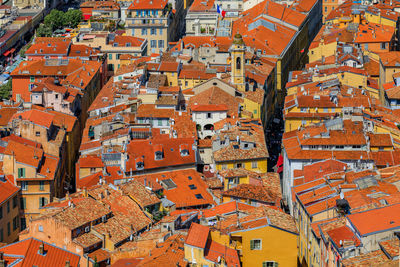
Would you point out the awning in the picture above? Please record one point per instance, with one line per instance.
(86, 16)
(7, 53)
(89, 36)
(12, 50)
(280, 161)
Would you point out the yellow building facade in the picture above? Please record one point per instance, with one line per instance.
(255, 165)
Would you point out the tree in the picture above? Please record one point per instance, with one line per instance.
(5, 90)
(44, 31)
(55, 20)
(72, 18)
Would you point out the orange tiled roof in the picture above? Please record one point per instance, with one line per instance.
(190, 190)
(143, 4)
(26, 251)
(7, 188)
(197, 235)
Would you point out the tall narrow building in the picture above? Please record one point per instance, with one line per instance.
(237, 62)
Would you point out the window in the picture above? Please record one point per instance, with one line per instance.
(153, 43)
(201, 151)
(254, 164)
(199, 196)
(326, 9)
(270, 264)
(366, 46)
(209, 115)
(24, 186)
(159, 122)
(118, 56)
(32, 79)
(238, 63)
(1, 235)
(1, 212)
(110, 56)
(15, 223)
(37, 133)
(153, 31)
(8, 206)
(42, 202)
(40, 228)
(238, 165)
(23, 224)
(255, 244)
(383, 45)
(224, 167)
(186, 83)
(144, 31)
(128, 44)
(23, 203)
(8, 229)
(92, 170)
(21, 172)
(15, 202)
(160, 43)
(161, 31)
(192, 187)
(41, 185)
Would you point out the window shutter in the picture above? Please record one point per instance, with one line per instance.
(252, 244)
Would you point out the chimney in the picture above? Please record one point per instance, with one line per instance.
(67, 264)
(41, 248)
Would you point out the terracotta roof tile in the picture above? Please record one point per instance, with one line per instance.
(27, 251)
(197, 235)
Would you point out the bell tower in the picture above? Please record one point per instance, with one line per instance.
(237, 62)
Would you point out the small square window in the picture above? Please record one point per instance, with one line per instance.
(199, 196)
(255, 244)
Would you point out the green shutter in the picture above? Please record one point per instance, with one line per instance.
(251, 244)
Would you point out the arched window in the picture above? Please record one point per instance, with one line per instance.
(238, 63)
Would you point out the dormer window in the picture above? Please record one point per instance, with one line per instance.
(184, 149)
(158, 155)
(115, 44)
(139, 163)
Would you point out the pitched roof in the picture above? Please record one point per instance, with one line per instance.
(140, 193)
(197, 235)
(185, 188)
(26, 253)
(215, 251)
(7, 189)
(38, 117)
(252, 192)
(385, 219)
(143, 4)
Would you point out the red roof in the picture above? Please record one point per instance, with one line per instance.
(91, 161)
(28, 252)
(211, 107)
(146, 4)
(216, 251)
(384, 219)
(226, 208)
(37, 117)
(7, 189)
(197, 236)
